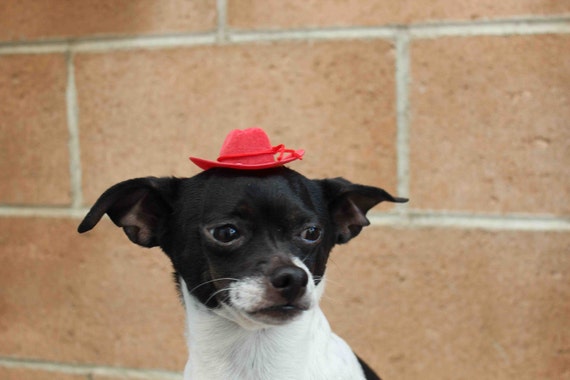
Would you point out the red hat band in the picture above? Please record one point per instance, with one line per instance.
(262, 157)
(250, 149)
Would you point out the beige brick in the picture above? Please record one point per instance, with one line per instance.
(33, 374)
(489, 124)
(270, 14)
(29, 19)
(33, 130)
(454, 304)
(145, 112)
(94, 298)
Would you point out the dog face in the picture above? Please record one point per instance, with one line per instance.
(250, 245)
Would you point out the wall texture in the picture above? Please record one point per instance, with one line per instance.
(464, 106)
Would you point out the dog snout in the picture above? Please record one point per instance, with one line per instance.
(290, 282)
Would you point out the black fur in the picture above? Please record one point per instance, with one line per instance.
(369, 374)
(268, 210)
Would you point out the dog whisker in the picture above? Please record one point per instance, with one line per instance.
(212, 281)
(320, 278)
(216, 293)
(329, 298)
(328, 280)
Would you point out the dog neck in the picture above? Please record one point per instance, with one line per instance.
(306, 348)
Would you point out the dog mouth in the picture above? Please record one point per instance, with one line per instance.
(265, 301)
(280, 312)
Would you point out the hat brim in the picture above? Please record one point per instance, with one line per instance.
(207, 164)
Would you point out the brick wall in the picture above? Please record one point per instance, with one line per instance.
(464, 106)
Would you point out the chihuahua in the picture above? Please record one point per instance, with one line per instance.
(249, 249)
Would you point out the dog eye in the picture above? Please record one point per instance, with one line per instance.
(225, 234)
(311, 234)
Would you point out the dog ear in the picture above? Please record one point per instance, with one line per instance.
(348, 204)
(138, 206)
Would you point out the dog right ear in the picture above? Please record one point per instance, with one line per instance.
(138, 205)
(348, 204)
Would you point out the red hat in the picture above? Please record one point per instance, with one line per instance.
(249, 149)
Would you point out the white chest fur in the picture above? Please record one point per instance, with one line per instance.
(305, 349)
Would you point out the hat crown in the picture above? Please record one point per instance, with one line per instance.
(250, 146)
(250, 149)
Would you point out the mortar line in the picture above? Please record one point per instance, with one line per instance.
(383, 32)
(43, 212)
(498, 27)
(511, 222)
(89, 369)
(222, 9)
(73, 128)
(34, 48)
(514, 26)
(402, 115)
(509, 27)
(144, 42)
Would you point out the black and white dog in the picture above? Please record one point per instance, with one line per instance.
(249, 249)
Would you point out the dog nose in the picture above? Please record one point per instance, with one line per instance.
(290, 281)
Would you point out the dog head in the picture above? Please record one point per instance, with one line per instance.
(250, 245)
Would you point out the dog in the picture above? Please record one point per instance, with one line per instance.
(249, 249)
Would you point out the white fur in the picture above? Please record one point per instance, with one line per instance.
(227, 344)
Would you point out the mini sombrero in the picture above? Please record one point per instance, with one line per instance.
(250, 149)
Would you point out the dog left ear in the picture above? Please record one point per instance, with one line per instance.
(138, 205)
(349, 203)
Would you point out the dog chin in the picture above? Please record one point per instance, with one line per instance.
(279, 314)
(250, 306)
(261, 318)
